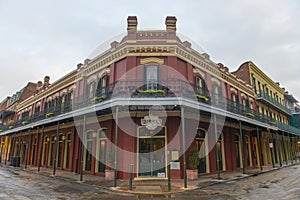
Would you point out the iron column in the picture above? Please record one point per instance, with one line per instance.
(217, 152)
(183, 147)
(259, 148)
(284, 148)
(116, 147)
(279, 149)
(40, 149)
(82, 148)
(242, 146)
(56, 149)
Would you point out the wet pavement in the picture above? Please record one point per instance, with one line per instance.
(20, 184)
(284, 183)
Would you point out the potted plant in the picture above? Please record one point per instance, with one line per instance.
(24, 122)
(202, 97)
(250, 114)
(110, 161)
(192, 171)
(97, 98)
(49, 114)
(152, 92)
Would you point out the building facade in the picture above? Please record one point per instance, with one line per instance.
(144, 103)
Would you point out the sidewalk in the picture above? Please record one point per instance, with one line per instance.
(149, 187)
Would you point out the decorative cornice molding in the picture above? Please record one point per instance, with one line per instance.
(152, 60)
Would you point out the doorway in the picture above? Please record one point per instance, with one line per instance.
(151, 153)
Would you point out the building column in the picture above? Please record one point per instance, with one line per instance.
(272, 150)
(284, 148)
(82, 148)
(40, 149)
(279, 149)
(2, 142)
(8, 144)
(290, 148)
(116, 147)
(56, 150)
(216, 146)
(242, 146)
(183, 147)
(259, 147)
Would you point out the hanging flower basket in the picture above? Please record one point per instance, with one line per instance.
(49, 114)
(250, 114)
(152, 91)
(205, 98)
(24, 122)
(97, 98)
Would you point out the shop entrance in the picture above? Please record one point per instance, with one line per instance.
(151, 153)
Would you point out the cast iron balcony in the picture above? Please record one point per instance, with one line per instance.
(271, 101)
(133, 89)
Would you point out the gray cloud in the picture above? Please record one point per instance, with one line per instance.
(49, 38)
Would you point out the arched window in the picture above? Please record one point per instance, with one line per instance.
(234, 101)
(237, 151)
(88, 151)
(202, 150)
(151, 77)
(102, 86)
(200, 86)
(248, 150)
(220, 149)
(101, 150)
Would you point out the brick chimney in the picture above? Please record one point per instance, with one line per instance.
(46, 81)
(171, 23)
(132, 23)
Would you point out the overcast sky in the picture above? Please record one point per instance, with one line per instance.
(39, 38)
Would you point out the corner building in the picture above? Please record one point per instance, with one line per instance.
(145, 102)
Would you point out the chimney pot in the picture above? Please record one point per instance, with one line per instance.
(171, 23)
(132, 23)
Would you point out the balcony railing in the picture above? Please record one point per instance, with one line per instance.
(273, 101)
(139, 89)
(288, 128)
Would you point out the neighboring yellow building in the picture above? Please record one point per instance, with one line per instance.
(272, 108)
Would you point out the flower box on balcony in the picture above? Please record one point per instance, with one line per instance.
(250, 114)
(1, 130)
(97, 98)
(273, 123)
(205, 98)
(49, 114)
(11, 127)
(24, 122)
(152, 91)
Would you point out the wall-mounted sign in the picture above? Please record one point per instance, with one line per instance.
(271, 145)
(174, 155)
(151, 122)
(175, 165)
(161, 175)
